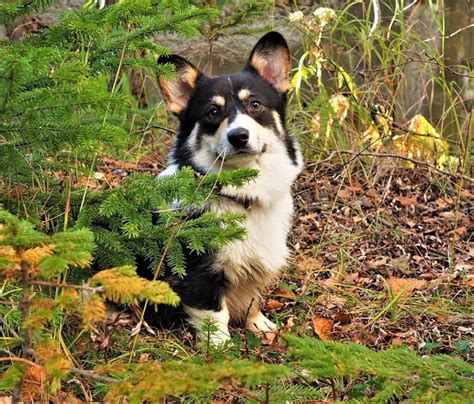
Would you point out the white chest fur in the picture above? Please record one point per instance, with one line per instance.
(250, 264)
(263, 252)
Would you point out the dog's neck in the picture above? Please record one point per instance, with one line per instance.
(246, 202)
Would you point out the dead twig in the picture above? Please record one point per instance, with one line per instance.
(400, 157)
(22, 360)
(93, 375)
(9, 303)
(148, 127)
(82, 372)
(86, 288)
(9, 329)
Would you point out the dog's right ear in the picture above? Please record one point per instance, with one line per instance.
(178, 91)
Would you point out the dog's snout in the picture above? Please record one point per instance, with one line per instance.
(238, 137)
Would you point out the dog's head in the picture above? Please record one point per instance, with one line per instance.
(235, 120)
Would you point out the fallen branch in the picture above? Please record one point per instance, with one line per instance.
(87, 373)
(93, 375)
(22, 360)
(411, 160)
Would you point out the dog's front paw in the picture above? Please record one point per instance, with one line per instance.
(260, 323)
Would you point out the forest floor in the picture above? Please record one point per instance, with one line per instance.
(383, 259)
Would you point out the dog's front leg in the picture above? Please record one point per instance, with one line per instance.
(219, 318)
(256, 321)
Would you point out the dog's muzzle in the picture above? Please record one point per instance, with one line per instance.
(236, 144)
(238, 138)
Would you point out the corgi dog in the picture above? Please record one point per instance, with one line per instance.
(230, 122)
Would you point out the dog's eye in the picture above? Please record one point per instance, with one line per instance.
(255, 105)
(213, 112)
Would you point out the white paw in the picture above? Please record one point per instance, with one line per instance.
(260, 323)
(211, 325)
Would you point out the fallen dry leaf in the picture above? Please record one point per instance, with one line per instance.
(448, 214)
(323, 327)
(415, 239)
(144, 357)
(466, 194)
(376, 263)
(284, 293)
(272, 304)
(406, 201)
(405, 286)
(470, 282)
(290, 323)
(461, 231)
(305, 264)
(408, 221)
(351, 278)
(63, 397)
(308, 217)
(396, 341)
(269, 337)
(444, 202)
(344, 194)
(331, 282)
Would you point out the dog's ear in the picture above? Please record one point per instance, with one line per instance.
(270, 58)
(178, 91)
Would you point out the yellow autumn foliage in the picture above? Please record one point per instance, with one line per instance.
(340, 105)
(372, 137)
(422, 142)
(123, 285)
(53, 359)
(93, 310)
(9, 262)
(33, 256)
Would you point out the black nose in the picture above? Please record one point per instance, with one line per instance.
(238, 137)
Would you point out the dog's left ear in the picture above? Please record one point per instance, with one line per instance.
(270, 58)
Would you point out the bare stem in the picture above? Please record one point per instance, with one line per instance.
(66, 285)
(27, 354)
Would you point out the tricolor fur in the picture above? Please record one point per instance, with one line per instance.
(229, 122)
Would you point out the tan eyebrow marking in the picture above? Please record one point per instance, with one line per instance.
(244, 94)
(218, 100)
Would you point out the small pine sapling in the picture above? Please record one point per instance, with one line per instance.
(39, 263)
